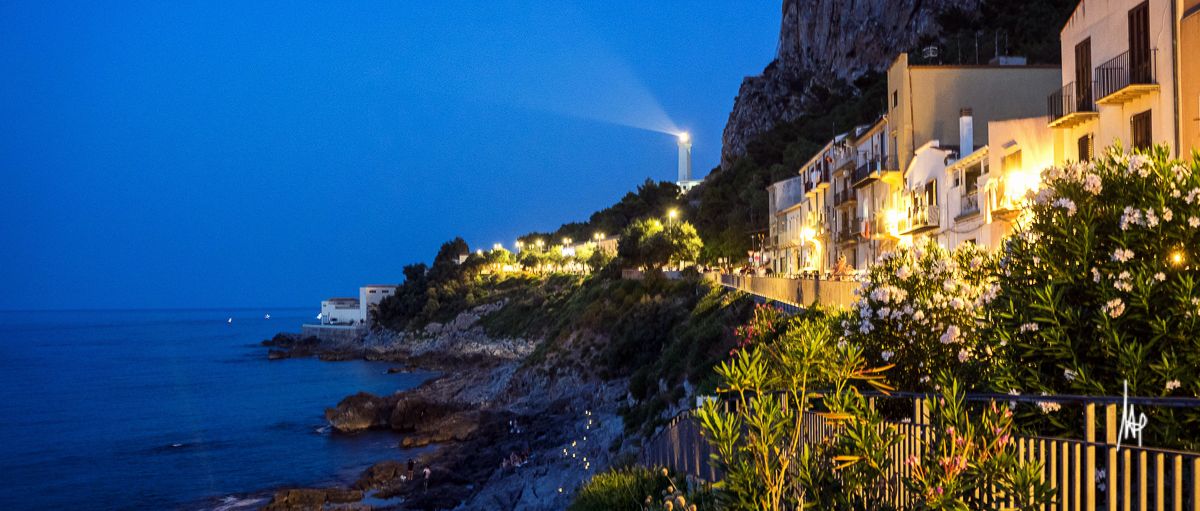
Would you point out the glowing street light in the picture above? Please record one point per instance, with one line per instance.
(539, 243)
(672, 214)
(1177, 257)
(497, 246)
(566, 241)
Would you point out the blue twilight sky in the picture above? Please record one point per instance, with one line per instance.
(215, 154)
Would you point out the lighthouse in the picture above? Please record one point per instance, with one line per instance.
(685, 181)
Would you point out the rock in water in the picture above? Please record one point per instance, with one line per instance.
(360, 411)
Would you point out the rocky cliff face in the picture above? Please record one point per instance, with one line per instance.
(823, 42)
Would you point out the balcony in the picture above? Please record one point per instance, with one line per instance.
(1071, 106)
(873, 169)
(845, 198)
(1125, 78)
(818, 179)
(920, 219)
(968, 205)
(848, 234)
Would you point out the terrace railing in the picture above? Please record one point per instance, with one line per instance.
(968, 204)
(1071, 99)
(1125, 70)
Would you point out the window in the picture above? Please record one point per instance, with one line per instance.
(895, 99)
(1085, 148)
(1083, 76)
(1140, 64)
(372, 291)
(1140, 130)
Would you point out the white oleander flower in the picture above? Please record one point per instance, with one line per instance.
(903, 272)
(1069, 374)
(951, 335)
(1173, 385)
(1129, 217)
(1160, 276)
(1167, 214)
(1029, 327)
(1067, 204)
(963, 356)
(1151, 218)
(1122, 255)
(886, 355)
(1114, 308)
(1091, 184)
(1194, 222)
(1139, 164)
(1049, 407)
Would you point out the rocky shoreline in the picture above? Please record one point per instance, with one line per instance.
(491, 402)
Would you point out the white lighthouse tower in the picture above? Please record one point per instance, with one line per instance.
(685, 182)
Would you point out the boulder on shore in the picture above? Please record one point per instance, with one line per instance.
(360, 411)
(311, 499)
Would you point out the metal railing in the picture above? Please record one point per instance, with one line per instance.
(1124, 70)
(968, 203)
(844, 197)
(1072, 98)
(920, 217)
(865, 172)
(851, 232)
(792, 291)
(1087, 473)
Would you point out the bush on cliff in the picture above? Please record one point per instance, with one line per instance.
(638, 489)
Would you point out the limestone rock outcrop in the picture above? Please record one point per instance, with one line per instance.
(825, 42)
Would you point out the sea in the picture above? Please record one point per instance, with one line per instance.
(173, 409)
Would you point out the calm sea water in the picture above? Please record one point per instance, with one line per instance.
(170, 409)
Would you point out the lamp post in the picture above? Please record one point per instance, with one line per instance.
(672, 214)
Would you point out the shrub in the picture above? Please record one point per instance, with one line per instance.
(918, 309)
(1098, 286)
(638, 489)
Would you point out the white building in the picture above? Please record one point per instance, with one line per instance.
(341, 311)
(369, 297)
(1127, 76)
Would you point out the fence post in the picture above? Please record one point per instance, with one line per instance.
(1110, 438)
(1089, 468)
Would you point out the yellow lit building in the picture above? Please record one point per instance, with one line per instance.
(1130, 74)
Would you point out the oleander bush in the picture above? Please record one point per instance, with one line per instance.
(1099, 285)
(972, 451)
(918, 309)
(758, 434)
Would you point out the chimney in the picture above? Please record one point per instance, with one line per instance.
(966, 132)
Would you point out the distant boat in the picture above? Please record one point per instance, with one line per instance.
(230, 321)
(268, 316)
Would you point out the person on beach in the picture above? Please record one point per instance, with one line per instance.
(427, 472)
(412, 467)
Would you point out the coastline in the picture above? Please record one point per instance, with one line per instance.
(490, 402)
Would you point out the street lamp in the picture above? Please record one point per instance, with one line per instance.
(672, 214)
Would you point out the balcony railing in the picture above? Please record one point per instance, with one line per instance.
(1123, 74)
(871, 170)
(1069, 104)
(968, 204)
(850, 232)
(920, 218)
(844, 197)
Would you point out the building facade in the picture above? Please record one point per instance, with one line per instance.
(1130, 75)
(341, 311)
